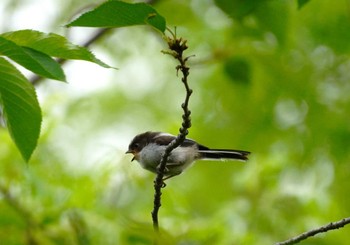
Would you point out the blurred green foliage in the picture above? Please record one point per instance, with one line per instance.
(293, 115)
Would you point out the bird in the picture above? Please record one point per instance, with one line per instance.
(148, 148)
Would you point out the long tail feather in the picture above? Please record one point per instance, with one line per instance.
(224, 154)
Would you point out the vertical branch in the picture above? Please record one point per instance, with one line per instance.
(177, 46)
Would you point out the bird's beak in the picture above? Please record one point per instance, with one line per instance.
(132, 152)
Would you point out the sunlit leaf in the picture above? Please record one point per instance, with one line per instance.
(20, 107)
(52, 44)
(35, 61)
(120, 14)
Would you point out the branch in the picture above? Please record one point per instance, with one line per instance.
(325, 228)
(31, 223)
(176, 46)
(79, 227)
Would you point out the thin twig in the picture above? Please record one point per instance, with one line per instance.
(176, 46)
(31, 223)
(79, 227)
(325, 228)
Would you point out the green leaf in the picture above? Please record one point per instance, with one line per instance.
(53, 45)
(301, 3)
(238, 70)
(237, 9)
(35, 61)
(270, 18)
(119, 14)
(20, 107)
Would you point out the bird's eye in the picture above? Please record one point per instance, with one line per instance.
(136, 145)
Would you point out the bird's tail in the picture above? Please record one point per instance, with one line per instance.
(224, 154)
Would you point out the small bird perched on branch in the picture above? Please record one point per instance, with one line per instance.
(149, 147)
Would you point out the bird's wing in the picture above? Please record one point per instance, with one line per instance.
(165, 139)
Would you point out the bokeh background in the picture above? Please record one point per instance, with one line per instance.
(269, 76)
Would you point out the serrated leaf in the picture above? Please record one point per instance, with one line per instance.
(53, 45)
(301, 3)
(20, 107)
(35, 61)
(120, 14)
